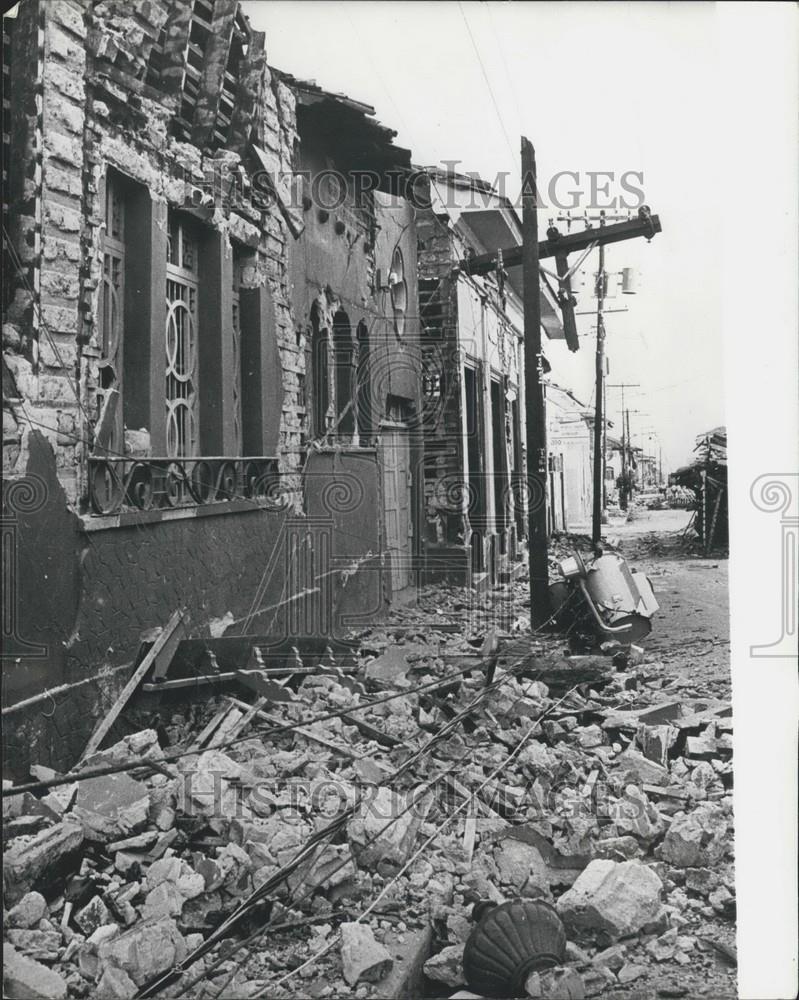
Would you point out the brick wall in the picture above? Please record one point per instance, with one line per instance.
(88, 596)
(94, 112)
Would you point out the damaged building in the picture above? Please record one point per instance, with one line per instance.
(211, 383)
(473, 357)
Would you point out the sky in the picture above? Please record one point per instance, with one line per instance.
(595, 87)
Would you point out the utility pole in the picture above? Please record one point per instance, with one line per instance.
(630, 446)
(624, 439)
(634, 483)
(605, 437)
(599, 416)
(534, 395)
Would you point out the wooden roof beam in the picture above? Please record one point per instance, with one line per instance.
(176, 41)
(213, 74)
(249, 93)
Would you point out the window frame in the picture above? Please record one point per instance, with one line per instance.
(182, 380)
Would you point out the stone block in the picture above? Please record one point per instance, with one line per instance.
(69, 16)
(363, 958)
(146, 950)
(405, 980)
(63, 81)
(698, 839)
(617, 899)
(59, 319)
(520, 864)
(25, 863)
(116, 984)
(555, 984)
(385, 827)
(63, 217)
(28, 912)
(40, 945)
(93, 915)
(62, 253)
(25, 978)
(111, 806)
(64, 45)
(58, 146)
(637, 768)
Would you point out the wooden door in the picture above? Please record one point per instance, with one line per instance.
(396, 468)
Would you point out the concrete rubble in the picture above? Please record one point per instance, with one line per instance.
(607, 813)
(363, 957)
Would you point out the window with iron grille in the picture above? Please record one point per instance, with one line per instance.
(112, 301)
(182, 293)
(199, 420)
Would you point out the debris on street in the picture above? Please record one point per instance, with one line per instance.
(582, 782)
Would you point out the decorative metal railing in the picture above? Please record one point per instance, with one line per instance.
(125, 483)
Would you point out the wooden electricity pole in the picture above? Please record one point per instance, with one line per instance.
(624, 439)
(534, 396)
(599, 415)
(529, 254)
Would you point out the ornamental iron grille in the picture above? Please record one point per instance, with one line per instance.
(182, 291)
(112, 298)
(119, 484)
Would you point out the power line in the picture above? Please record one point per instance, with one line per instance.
(433, 836)
(488, 82)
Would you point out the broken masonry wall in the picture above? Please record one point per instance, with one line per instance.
(94, 112)
(478, 326)
(442, 391)
(91, 587)
(340, 268)
(88, 598)
(394, 373)
(47, 113)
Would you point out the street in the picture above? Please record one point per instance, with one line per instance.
(691, 632)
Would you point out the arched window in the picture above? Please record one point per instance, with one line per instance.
(399, 291)
(320, 373)
(363, 394)
(344, 359)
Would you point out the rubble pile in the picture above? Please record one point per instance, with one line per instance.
(602, 797)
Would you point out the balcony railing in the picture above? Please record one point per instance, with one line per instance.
(126, 483)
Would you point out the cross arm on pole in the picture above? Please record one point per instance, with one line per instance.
(645, 225)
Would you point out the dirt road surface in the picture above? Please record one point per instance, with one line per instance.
(691, 632)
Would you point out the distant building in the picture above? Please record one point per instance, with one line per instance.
(570, 448)
(473, 384)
